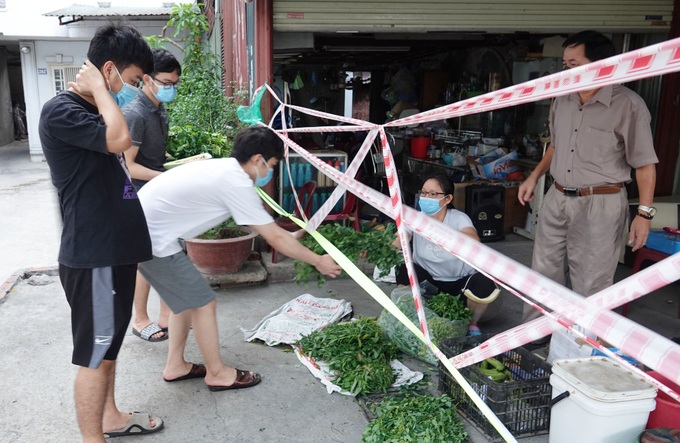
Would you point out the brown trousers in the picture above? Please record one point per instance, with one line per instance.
(577, 241)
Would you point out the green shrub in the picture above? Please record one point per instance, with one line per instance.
(202, 117)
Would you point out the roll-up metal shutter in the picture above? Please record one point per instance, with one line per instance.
(502, 16)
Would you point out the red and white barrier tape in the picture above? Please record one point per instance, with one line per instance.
(513, 338)
(648, 347)
(397, 207)
(662, 58)
(650, 279)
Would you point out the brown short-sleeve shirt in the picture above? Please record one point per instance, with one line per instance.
(600, 141)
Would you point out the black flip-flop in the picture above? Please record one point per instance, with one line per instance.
(244, 379)
(137, 425)
(196, 371)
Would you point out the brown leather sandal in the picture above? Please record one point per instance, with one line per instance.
(244, 379)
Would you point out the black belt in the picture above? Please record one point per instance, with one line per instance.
(589, 190)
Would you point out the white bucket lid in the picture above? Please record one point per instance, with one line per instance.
(603, 379)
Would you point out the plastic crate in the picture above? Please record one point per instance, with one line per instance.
(663, 241)
(522, 405)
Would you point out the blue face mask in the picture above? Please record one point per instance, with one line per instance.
(430, 206)
(126, 94)
(261, 181)
(166, 93)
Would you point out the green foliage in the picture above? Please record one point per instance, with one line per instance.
(375, 244)
(226, 229)
(415, 418)
(440, 328)
(186, 141)
(202, 117)
(449, 306)
(357, 352)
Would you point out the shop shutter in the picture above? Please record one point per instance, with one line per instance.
(497, 16)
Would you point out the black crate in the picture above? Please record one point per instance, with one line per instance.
(522, 405)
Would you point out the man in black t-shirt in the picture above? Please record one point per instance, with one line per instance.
(83, 134)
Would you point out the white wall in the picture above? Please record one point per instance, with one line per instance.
(22, 21)
(24, 18)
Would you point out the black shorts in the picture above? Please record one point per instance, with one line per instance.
(101, 307)
(479, 284)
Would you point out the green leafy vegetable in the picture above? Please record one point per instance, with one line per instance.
(449, 306)
(440, 328)
(415, 418)
(357, 352)
(375, 244)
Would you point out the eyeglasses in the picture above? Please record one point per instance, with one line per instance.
(162, 83)
(430, 194)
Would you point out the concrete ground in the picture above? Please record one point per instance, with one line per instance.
(36, 376)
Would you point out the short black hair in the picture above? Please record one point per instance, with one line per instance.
(164, 61)
(123, 45)
(596, 45)
(257, 140)
(444, 182)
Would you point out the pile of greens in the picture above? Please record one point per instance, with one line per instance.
(440, 328)
(374, 245)
(357, 352)
(449, 306)
(415, 418)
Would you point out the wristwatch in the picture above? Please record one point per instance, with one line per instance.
(647, 212)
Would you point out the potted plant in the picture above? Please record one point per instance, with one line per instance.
(221, 250)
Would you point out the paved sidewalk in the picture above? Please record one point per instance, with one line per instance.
(36, 376)
(30, 223)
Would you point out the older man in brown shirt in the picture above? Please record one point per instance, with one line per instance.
(598, 136)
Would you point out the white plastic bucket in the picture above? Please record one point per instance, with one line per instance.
(601, 402)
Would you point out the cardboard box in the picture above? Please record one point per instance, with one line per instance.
(495, 165)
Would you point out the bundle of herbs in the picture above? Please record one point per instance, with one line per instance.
(357, 352)
(415, 418)
(374, 245)
(450, 306)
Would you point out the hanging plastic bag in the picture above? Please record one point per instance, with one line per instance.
(252, 114)
(298, 83)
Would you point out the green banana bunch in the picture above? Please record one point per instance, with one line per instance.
(494, 370)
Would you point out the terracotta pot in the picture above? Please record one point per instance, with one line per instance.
(215, 257)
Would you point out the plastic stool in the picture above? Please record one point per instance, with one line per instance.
(642, 255)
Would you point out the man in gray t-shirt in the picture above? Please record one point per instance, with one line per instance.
(148, 125)
(597, 137)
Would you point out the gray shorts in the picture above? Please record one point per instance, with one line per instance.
(178, 282)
